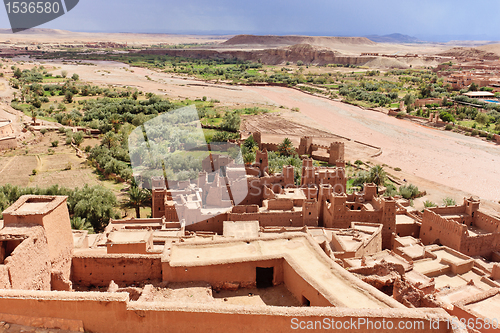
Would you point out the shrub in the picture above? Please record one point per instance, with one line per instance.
(409, 191)
(429, 204)
(69, 140)
(69, 166)
(400, 115)
(391, 190)
(34, 172)
(449, 202)
(447, 117)
(397, 169)
(62, 130)
(55, 143)
(43, 131)
(474, 132)
(449, 127)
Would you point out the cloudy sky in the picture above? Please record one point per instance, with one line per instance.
(427, 19)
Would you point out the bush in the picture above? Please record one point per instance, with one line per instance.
(409, 191)
(62, 130)
(429, 204)
(401, 115)
(391, 190)
(449, 202)
(449, 127)
(69, 140)
(397, 169)
(474, 132)
(43, 131)
(34, 172)
(447, 117)
(55, 143)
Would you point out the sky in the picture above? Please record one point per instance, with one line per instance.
(430, 20)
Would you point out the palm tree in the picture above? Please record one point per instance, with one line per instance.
(137, 198)
(286, 148)
(116, 121)
(377, 175)
(77, 223)
(109, 139)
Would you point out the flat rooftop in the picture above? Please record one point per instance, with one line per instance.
(129, 237)
(488, 307)
(450, 256)
(337, 284)
(241, 229)
(404, 219)
(34, 205)
(479, 94)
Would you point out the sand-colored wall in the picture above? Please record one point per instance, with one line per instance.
(132, 248)
(480, 245)
(486, 222)
(57, 227)
(446, 232)
(301, 288)
(405, 229)
(277, 218)
(123, 269)
(8, 143)
(214, 224)
(243, 273)
(29, 266)
(111, 313)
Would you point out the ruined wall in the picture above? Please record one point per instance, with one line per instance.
(28, 267)
(436, 229)
(123, 269)
(242, 273)
(111, 313)
(57, 227)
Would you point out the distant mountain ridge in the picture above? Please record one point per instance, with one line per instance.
(294, 39)
(394, 38)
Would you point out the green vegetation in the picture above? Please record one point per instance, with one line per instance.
(429, 204)
(137, 198)
(94, 204)
(409, 191)
(449, 202)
